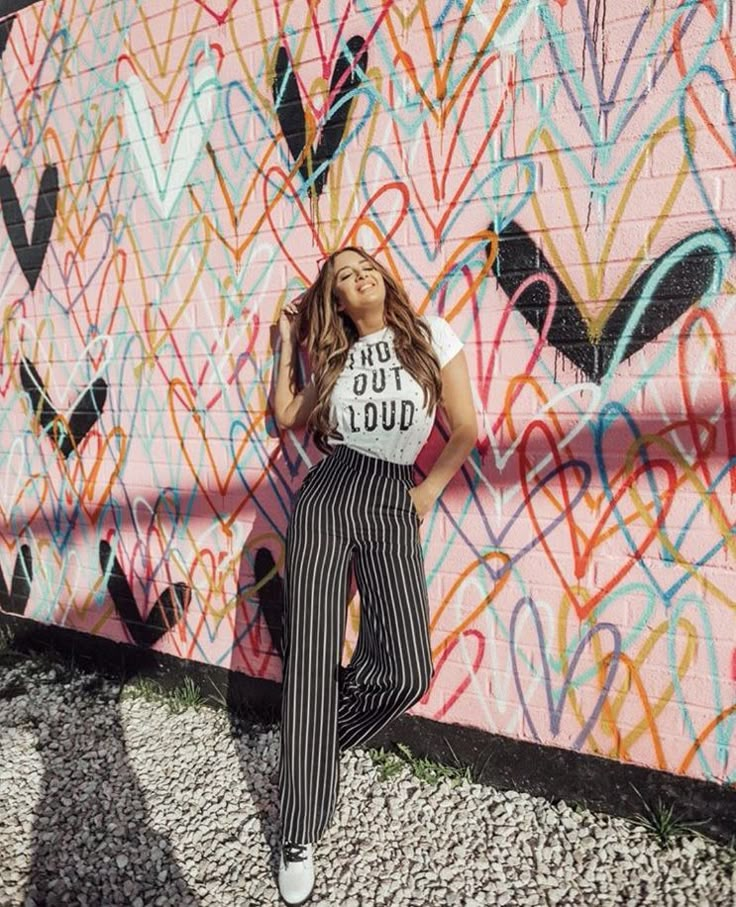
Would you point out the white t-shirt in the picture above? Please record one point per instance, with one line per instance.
(377, 405)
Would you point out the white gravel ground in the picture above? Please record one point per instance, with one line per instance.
(106, 802)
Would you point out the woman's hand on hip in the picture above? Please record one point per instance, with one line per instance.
(423, 499)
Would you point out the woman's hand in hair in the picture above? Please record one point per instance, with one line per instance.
(291, 407)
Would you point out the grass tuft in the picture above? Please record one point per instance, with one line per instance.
(390, 764)
(187, 695)
(9, 655)
(387, 763)
(142, 688)
(663, 822)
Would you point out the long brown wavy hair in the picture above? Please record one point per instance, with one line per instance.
(327, 335)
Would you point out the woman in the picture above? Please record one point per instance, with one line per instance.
(378, 373)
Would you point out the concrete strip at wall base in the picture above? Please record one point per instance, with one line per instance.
(600, 784)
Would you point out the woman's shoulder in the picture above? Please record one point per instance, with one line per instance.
(438, 325)
(444, 340)
(432, 320)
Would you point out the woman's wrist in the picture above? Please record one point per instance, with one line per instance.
(458, 446)
(430, 488)
(287, 361)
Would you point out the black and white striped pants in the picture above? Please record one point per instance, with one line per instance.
(352, 510)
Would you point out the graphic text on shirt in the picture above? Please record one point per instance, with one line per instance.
(384, 415)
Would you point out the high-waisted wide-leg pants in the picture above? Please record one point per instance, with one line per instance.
(352, 510)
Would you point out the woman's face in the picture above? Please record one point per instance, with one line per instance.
(359, 288)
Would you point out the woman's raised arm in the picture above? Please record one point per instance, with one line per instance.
(291, 407)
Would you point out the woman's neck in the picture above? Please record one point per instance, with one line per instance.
(370, 325)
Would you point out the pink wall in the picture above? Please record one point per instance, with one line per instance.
(159, 206)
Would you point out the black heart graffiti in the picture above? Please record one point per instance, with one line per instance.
(14, 6)
(270, 596)
(15, 599)
(167, 612)
(66, 431)
(346, 76)
(31, 254)
(679, 287)
(5, 27)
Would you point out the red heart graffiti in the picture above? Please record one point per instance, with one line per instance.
(219, 14)
(583, 545)
(450, 695)
(699, 328)
(450, 178)
(397, 209)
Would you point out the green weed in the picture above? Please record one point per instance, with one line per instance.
(142, 688)
(390, 764)
(430, 771)
(187, 695)
(663, 822)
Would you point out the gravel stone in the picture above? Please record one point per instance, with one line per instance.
(118, 801)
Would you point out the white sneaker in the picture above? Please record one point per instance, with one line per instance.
(296, 873)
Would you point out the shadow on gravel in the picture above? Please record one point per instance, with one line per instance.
(91, 841)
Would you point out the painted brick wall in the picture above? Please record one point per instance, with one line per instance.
(555, 177)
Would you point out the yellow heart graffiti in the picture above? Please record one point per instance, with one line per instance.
(187, 259)
(498, 584)
(714, 508)
(596, 266)
(442, 104)
(169, 45)
(185, 413)
(612, 706)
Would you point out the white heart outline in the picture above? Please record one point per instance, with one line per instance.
(192, 129)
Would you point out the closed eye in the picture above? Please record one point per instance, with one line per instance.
(346, 272)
